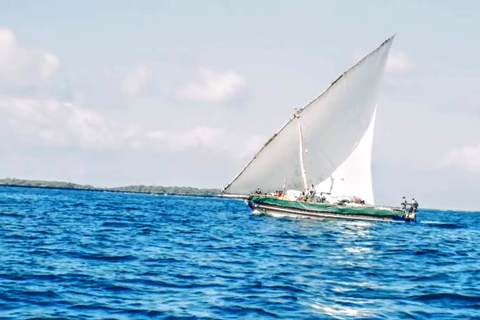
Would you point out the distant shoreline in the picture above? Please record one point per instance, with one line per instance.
(142, 189)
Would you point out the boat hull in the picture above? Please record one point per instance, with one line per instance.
(279, 211)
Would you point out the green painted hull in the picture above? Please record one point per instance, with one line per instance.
(328, 208)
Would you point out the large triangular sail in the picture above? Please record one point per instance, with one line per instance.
(332, 126)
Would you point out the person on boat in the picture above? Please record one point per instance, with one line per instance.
(411, 215)
(305, 197)
(301, 197)
(258, 191)
(404, 204)
(324, 198)
(321, 198)
(411, 208)
(414, 205)
(311, 193)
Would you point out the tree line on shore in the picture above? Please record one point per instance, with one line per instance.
(133, 189)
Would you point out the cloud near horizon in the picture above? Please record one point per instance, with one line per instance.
(45, 120)
(468, 158)
(53, 123)
(214, 87)
(462, 104)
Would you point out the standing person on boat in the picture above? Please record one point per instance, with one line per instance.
(411, 208)
(414, 205)
(258, 191)
(404, 204)
(312, 191)
(412, 215)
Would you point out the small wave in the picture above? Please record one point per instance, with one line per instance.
(446, 296)
(186, 277)
(143, 312)
(427, 252)
(159, 283)
(180, 284)
(103, 257)
(248, 312)
(14, 215)
(161, 261)
(94, 306)
(43, 294)
(429, 277)
(115, 224)
(37, 277)
(443, 225)
(16, 236)
(118, 288)
(79, 204)
(106, 206)
(280, 288)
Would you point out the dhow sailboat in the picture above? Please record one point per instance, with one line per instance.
(319, 163)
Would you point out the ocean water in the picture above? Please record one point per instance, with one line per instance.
(94, 255)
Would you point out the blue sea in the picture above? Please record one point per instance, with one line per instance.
(96, 255)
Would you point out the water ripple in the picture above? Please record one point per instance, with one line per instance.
(83, 255)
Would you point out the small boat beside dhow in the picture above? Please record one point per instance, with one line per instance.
(326, 144)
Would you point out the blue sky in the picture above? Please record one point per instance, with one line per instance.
(184, 92)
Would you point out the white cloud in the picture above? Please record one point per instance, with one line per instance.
(39, 119)
(50, 65)
(204, 137)
(399, 62)
(21, 66)
(239, 146)
(213, 87)
(53, 123)
(463, 103)
(138, 81)
(468, 158)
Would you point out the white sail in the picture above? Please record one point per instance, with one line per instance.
(332, 125)
(354, 176)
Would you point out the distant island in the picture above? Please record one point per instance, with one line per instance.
(12, 182)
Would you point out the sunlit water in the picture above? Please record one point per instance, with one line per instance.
(93, 255)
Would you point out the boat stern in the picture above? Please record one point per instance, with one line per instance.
(252, 205)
